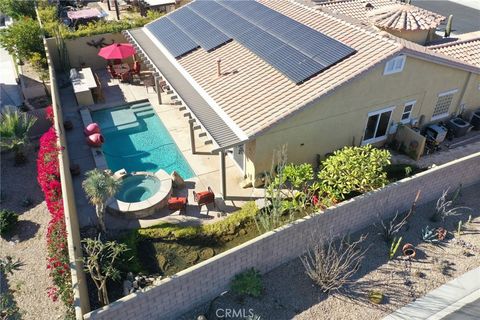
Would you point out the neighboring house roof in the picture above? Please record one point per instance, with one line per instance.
(466, 48)
(254, 96)
(404, 17)
(357, 9)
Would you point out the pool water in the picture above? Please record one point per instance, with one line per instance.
(138, 188)
(137, 140)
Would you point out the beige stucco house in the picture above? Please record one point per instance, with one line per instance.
(248, 108)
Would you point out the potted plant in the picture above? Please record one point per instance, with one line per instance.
(409, 251)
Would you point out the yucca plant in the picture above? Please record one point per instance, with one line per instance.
(99, 186)
(14, 127)
(430, 235)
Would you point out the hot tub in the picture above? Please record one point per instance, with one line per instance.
(141, 194)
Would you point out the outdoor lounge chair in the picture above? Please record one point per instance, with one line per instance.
(178, 203)
(204, 198)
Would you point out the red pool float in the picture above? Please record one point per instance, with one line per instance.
(91, 129)
(95, 140)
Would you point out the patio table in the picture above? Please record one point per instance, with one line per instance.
(121, 68)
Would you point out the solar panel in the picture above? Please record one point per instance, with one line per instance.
(175, 40)
(314, 44)
(297, 51)
(197, 28)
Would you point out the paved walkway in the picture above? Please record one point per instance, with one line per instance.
(10, 94)
(458, 299)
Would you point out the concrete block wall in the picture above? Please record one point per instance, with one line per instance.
(202, 282)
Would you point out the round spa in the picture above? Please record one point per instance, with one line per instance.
(141, 194)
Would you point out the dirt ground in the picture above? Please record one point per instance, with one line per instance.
(27, 242)
(290, 294)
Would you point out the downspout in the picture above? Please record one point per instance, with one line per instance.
(459, 109)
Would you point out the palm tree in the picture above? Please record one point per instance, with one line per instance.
(14, 127)
(99, 186)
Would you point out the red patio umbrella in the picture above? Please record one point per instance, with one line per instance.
(117, 51)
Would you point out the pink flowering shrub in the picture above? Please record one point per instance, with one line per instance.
(49, 180)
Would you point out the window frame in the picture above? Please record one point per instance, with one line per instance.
(393, 62)
(445, 114)
(373, 113)
(408, 103)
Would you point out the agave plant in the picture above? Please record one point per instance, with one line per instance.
(14, 127)
(100, 186)
(430, 235)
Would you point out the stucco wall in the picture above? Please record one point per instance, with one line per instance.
(340, 119)
(80, 52)
(81, 301)
(200, 283)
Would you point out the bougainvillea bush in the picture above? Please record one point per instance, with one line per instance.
(57, 250)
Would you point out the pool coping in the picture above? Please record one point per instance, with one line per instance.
(142, 209)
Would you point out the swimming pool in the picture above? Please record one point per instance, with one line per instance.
(137, 140)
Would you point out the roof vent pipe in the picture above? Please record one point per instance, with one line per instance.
(219, 69)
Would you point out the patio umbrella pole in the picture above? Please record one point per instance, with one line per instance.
(117, 10)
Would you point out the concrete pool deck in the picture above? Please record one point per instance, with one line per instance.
(205, 165)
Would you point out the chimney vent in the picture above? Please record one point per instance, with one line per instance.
(219, 69)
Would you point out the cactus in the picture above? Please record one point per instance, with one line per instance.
(430, 235)
(448, 28)
(394, 247)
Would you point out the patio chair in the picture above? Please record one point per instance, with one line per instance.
(136, 69)
(112, 72)
(125, 77)
(178, 203)
(204, 198)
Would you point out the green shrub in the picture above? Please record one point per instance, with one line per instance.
(233, 222)
(248, 283)
(8, 219)
(355, 169)
(23, 38)
(48, 16)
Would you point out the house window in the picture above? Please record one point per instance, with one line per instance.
(394, 65)
(407, 111)
(377, 125)
(444, 102)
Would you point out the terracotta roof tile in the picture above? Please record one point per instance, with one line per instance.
(404, 17)
(466, 48)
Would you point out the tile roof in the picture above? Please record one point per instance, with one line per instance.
(256, 96)
(466, 48)
(404, 17)
(357, 9)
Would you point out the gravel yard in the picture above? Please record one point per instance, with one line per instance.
(290, 294)
(27, 242)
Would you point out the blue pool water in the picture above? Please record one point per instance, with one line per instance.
(137, 140)
(138, 188)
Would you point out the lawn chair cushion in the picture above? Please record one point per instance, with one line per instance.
(177, 203)
(205, 197)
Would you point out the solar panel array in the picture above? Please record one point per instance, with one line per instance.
(297, 51)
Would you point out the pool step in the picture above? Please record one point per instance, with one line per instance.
(145, 113)
(121, 127)
(140, 105)
(142, 109)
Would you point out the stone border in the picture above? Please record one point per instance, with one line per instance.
(142, 209)
(173, 296)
